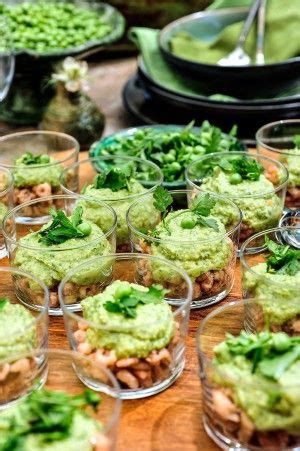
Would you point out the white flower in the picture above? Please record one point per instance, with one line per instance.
(74, 75)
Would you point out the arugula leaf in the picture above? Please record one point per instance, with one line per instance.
(3, 302)
(297, 141)
(62, 228)
(162, 199)
(127, 303)
(282, 259)
(114, 178)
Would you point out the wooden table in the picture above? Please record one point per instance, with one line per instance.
(169, 421)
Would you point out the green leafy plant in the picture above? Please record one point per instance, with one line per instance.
(282, 259)
(63, 228)
(29, 159)
(3, 302)
(114, 178)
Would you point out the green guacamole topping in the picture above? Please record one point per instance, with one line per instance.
(263, 372)
(50, 263)
(17, 331)
(50, 421)
(197, 250)
(28, 172)
(292, 162)
(152, 328)
(259, 213)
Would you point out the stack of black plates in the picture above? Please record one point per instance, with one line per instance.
(151, 102)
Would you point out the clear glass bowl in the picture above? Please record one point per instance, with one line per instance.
(210, 262)
(23, 326)
(276, 140)
(51, 263)
(257, 282)
(71, 373)
(36, 181)
(146, 173)
(261, 209)
(230, 399)
(6, 201)
(138, 352)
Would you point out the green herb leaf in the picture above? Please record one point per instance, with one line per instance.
(203, 205)
(248, 168)
(282, 259)
(114, 178)
(3, 302)
(274, 367)
(162, 199)
(297, 141)
(29, 159)
(208, 222)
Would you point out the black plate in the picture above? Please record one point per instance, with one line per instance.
(244, 82)
(153, 106)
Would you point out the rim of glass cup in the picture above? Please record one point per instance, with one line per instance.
(232, 305)
(255, 157)
(243, 249)
(123, 256)
(185, 242)
(42, 309)
(112, 391)
(270, 125)
(108, 157)
(75, 151)
(16, 242)
(10, 181)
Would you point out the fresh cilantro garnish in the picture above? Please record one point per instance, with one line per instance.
(49, 414)
(3, 302)
(162, 199)
(114, 178)
(63, 228)
(297, 141)
(128, 300)
(29, 159)
(282, 259)
(202, 208)
(248, 168)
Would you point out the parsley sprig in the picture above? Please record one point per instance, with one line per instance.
(202, 207)
(49, 414)
(282, 259)
(29, 159)
(114, 178)
(127, 299)
(63, 228)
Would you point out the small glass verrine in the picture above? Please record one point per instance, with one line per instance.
(261, 199)
(23, 328)
(144, 348)
(281, 141)
(246, 406)
(207, 256)
(78, 397)
(144, 177)
(36, 159)
(6, 201)
(51, 262)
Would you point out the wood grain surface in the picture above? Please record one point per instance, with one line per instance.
(172, 420)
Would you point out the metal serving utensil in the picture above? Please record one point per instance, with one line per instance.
(260, 56)
(238, 57)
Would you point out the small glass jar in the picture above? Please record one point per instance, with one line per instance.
(52, 262)
(261, 207)
(239, 411)
(208, 260)
(258, 282)
(36, 181)
(147, 175)
(6, 201)
(278, 140)
(23, 327)
(64, 374)
(146, 354)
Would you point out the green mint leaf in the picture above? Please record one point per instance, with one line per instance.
(203, 204)
(208, 222)
(162, 199)
(3, 302)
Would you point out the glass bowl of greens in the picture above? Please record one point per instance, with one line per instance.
(250, 379)
(171, 147)
(59, 408)
(281, 141)
(273, 272)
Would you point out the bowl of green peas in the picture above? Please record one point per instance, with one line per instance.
(44, 32)
(171, 147)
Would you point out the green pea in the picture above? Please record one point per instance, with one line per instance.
(235, 179)
(169, 158)
(84, 228)
(188, 223)
(44, 159)
(122, 291)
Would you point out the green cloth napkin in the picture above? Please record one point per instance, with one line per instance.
(282, 36)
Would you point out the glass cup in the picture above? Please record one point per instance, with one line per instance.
(68, 373)
(23, 326)
(7, 58)
(36, 181)
(51, 263)
(262, 284)
(145, 354)
(278, 140)
(242, 412)
(209, 262)
(6, 199)
(145, 172)
(261, 209)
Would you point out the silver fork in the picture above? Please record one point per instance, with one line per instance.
(238, 57)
